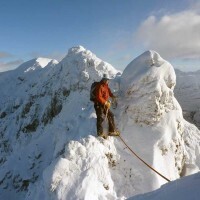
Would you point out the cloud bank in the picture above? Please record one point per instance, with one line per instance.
(173, 36)
(5, 55)
(5, 66)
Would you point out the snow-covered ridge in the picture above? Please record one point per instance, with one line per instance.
(43, 110)
(48, 129)
(36, 63)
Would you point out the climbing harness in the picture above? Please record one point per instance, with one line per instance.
(143, 160)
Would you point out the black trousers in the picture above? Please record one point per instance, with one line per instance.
(101, 114)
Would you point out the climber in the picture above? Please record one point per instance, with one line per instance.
(102, 107)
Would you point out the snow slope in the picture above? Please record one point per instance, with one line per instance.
(49, 148)
(187, 92)
(186, 188)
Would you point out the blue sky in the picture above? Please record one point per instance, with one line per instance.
(117, 31)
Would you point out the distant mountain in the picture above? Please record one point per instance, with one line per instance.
(48, 143)
(187, 92)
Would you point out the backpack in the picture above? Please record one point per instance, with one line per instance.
(93, 91)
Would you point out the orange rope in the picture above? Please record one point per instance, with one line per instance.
(143, 160)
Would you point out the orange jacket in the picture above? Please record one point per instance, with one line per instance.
(103, 93)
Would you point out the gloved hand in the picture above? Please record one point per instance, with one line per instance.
(107, 104)
(114, 98)
(114, 102)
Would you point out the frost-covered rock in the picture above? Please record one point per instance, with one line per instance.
(149, 81)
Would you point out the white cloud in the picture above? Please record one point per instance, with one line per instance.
(173, 36)
(5, 66)
(5, 54)
(194, 5)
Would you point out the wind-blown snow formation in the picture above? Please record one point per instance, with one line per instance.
(151, 78)
(49, 148)
(147, 84)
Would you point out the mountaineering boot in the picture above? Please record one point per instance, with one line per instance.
(114, 133)
(103, 135)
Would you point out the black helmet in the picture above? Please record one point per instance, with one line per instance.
(105, 77)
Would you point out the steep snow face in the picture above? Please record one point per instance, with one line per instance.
(14, 83)
(187, 92)
(20, 110)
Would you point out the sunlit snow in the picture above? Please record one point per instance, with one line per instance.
(49, 148)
